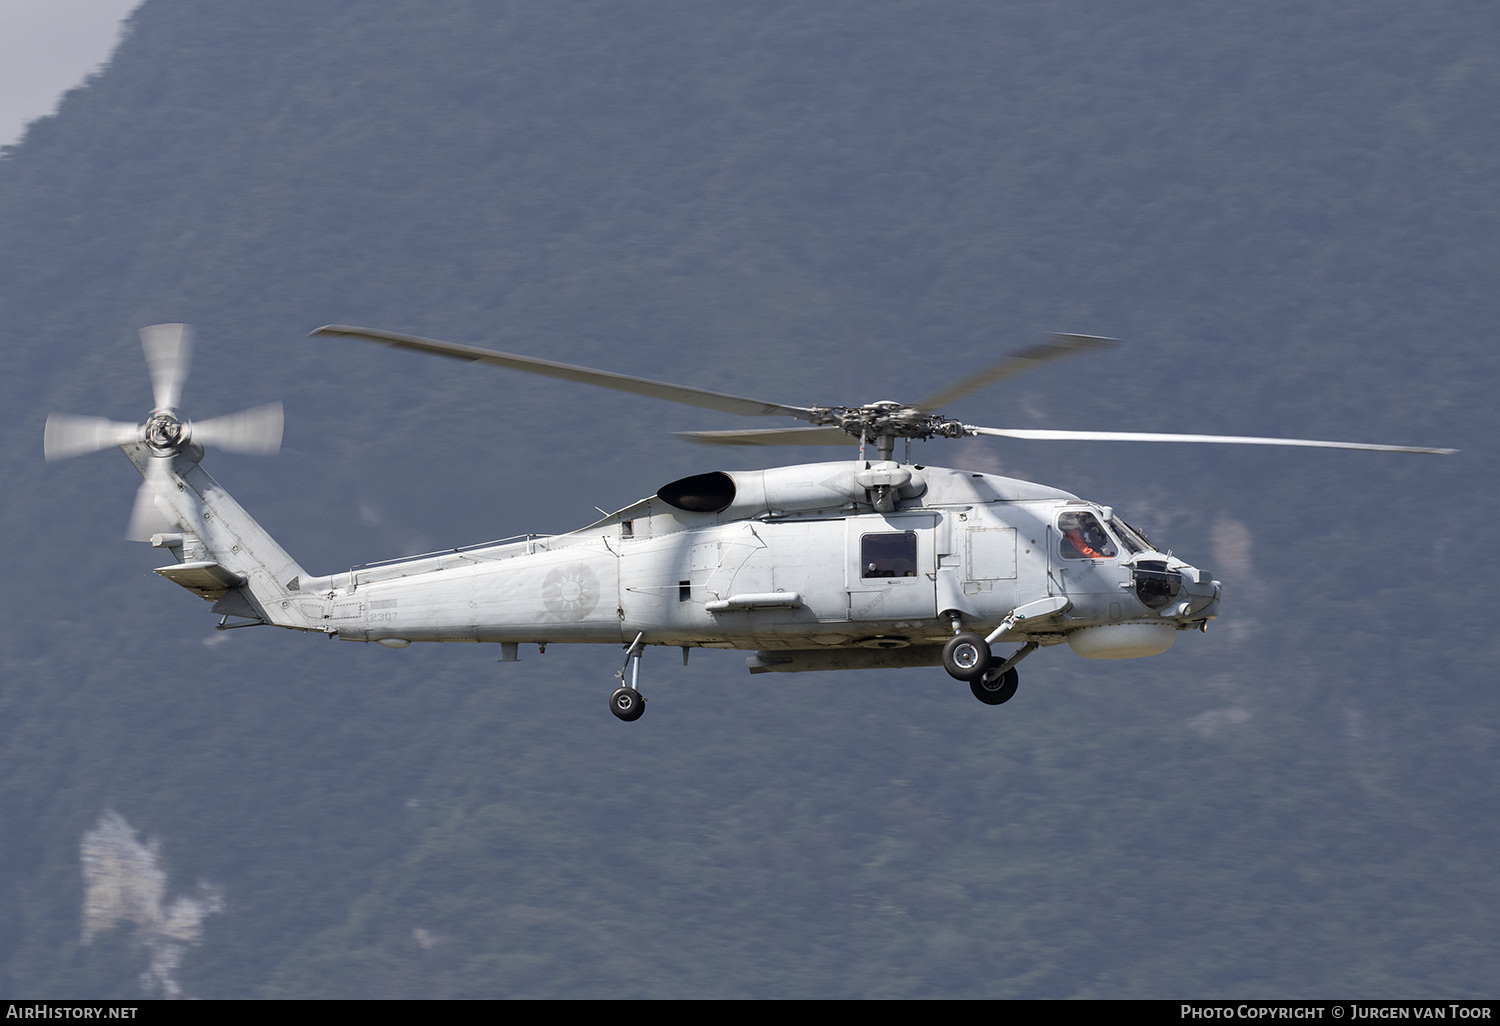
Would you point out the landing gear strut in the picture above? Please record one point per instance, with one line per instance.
(627, 702)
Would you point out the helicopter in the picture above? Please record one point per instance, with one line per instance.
(870, 563)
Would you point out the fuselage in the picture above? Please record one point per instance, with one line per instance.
(793, 558)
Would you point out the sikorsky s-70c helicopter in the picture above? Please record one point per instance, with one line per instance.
(857, 564)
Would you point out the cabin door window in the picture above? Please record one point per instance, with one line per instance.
(893, 572)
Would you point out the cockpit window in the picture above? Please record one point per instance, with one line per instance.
(888, 555)
(1134, 540)
(1083, 537)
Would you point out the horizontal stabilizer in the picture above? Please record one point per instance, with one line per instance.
(206, 579)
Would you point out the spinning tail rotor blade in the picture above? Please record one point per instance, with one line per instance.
(1054, 347)
(256, 430)
(1144, 436)
(148, 518)
(66, 435)
(169, 352)
(165, 433)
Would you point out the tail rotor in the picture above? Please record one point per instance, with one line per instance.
(168, 349)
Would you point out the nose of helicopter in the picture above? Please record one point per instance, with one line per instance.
(1173, 588)
(1178, 590)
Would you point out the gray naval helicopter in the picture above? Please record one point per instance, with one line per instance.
(858, 564)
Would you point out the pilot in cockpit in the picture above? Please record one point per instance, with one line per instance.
(1084, 537)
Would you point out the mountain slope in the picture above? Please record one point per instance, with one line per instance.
(1287, 213)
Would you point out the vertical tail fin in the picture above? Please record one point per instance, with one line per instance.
(222, 554)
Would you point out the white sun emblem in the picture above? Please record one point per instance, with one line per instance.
(570, 592)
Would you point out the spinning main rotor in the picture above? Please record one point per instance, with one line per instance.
(879, 422)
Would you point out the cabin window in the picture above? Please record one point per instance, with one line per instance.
(888, 555)
(627, 528)
(1083, 537)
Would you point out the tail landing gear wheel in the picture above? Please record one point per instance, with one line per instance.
(627, 704)
(996, 689)
(966, 657)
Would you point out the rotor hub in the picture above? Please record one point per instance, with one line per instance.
(165, 431)
(889, 420)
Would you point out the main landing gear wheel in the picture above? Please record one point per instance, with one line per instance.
(996, 689)
(627, 704)
(966, 657)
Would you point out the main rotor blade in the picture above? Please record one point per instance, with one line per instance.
(771, 436)
(169, 351)
(147, 518)
(587, 375)
(1145, 436)
(256, 430)
(1054, 347)
(66, 435)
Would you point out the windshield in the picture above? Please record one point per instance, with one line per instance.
(1134, 540)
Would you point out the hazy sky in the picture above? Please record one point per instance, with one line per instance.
(46, 48)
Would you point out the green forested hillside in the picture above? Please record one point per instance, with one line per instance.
(1288, 213)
